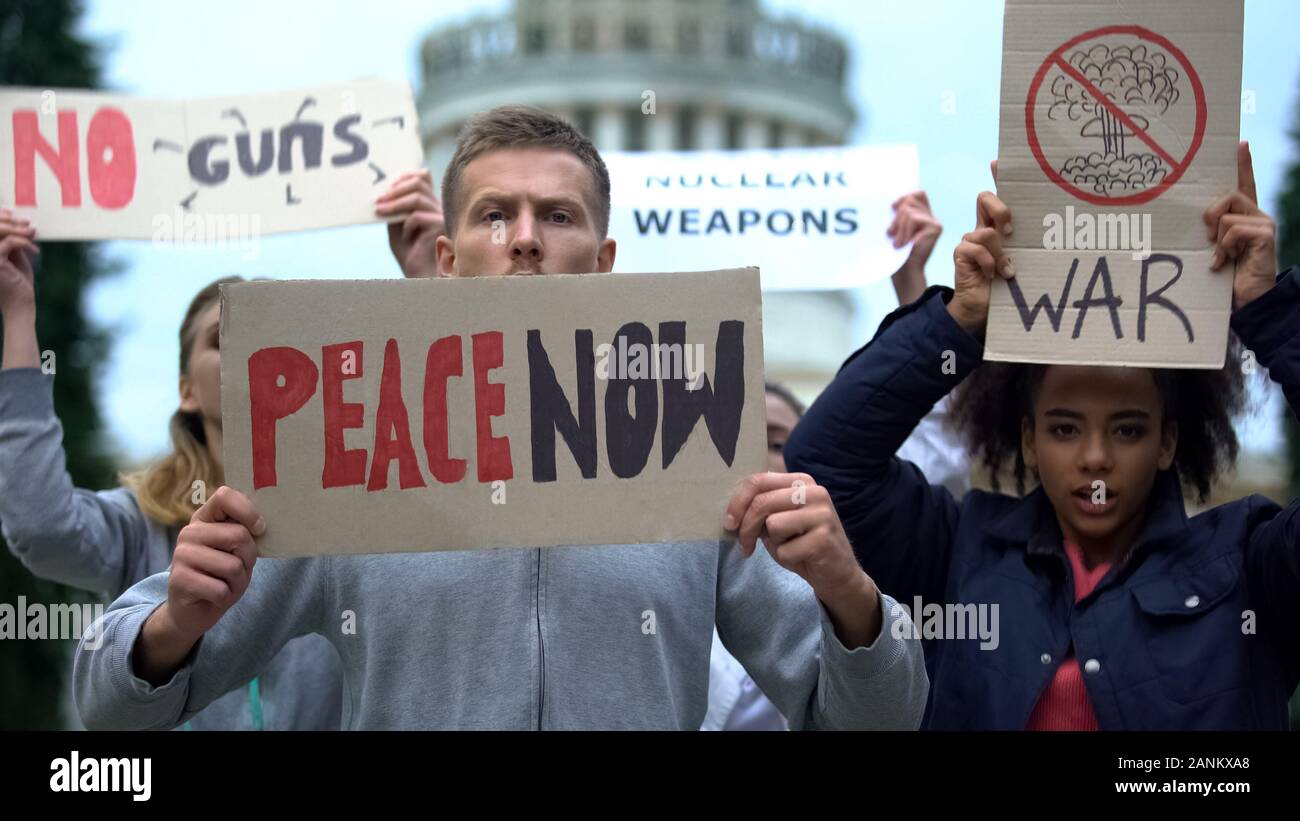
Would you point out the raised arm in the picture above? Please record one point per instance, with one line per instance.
(1266, 317)
(1268, 327)
(914, 222)
(95, 541)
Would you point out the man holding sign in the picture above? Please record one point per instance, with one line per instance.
(579, 637)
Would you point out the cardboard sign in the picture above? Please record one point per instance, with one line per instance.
(815, 217)
(1119, 128)
(85, 165)
(452, 414)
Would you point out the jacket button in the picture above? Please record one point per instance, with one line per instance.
(1091, 666)
(1192, 601)
(1045, 658)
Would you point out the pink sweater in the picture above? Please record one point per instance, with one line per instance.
(1064, 704)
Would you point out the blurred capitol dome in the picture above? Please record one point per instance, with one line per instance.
(725, 74)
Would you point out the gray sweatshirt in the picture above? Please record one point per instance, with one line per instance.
(557, 638)
(102, 542)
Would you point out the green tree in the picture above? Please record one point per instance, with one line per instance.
(40, 47)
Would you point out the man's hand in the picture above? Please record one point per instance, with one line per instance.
(913, 222)
(413, 236)
(1241, 232)
(797, 522)
(211, 568)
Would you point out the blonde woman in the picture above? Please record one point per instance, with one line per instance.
(107, 541)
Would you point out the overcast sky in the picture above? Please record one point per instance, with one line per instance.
(907, 60)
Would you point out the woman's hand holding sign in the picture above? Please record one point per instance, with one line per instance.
(1243, 233)
(18, 291)
(978, 259)
(17, 249)
(211, 568)
(797, 522)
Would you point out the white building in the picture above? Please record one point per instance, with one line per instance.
(725, 75)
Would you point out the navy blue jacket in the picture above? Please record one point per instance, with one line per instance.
(1200, 629)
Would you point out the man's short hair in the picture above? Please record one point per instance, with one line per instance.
(519, 126)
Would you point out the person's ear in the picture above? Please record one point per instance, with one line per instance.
(444, 251)
(189, 402)
(605, 256)
(1028, 448)
(1168, 443)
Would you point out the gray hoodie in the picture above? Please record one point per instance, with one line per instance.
(557, 638)
(102, 542)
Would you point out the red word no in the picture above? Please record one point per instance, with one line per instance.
(110, 158)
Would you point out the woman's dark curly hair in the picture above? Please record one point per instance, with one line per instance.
(988, 407)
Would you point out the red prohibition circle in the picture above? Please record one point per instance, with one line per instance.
(1198, 92)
